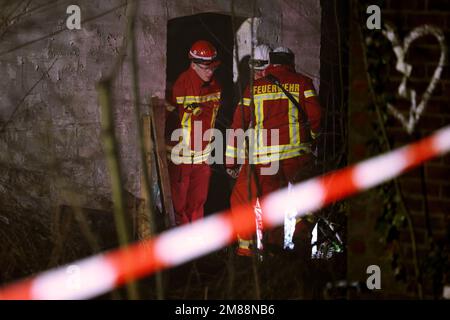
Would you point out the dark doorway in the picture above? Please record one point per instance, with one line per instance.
(181, 34)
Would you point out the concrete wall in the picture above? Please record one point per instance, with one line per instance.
(50, 148)
(300, 31)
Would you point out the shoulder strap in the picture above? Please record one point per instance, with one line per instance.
(303, 114)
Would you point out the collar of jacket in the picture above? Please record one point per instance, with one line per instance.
(279, 68)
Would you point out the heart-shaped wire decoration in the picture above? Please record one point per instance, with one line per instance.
(400, 50)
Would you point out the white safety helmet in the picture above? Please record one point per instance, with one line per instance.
(282, 55)
(283, 49)
(260, 59)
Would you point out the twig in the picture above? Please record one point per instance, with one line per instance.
(136, 102)
(250, 165)
(230, 262)
(112, 157)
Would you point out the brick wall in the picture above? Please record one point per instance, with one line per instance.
(435, 198)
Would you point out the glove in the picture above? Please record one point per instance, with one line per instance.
(314, 149)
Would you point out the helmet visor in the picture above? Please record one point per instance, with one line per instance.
(258, 64)
(209, 63)
(282, 58)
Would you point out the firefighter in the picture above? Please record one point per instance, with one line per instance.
(298, 125)
(239, 195)
(196, 95)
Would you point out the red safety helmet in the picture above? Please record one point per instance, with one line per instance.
(203, 52)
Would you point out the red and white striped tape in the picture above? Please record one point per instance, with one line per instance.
(104, 272)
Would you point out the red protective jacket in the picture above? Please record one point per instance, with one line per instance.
(197, 103)
(272, 109)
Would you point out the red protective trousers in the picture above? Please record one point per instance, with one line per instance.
(289, 171)
(189, 185)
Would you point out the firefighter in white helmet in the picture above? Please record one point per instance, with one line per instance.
(260, 60)
(283, 56)
(259, 63)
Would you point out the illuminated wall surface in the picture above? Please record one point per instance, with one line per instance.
(55, 189)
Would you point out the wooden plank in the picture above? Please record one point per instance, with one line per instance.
(158, 117)
(143, 218)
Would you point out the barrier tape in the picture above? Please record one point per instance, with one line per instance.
(103, 272)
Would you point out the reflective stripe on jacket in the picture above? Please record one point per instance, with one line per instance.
(272, 110)
(198, 103)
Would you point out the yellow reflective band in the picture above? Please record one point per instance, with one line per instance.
(259, 119)
(198, 99)
(306, 147)
(190, 153)
(277, 157)
(309, 93)
(246, 102)
(213, 118)
(244, 243)
(294, 127)
(206, 150)
(191, 159)
(186, 124)
(275, 96)
(231, 152)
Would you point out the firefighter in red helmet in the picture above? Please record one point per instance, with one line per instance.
(196, 95)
